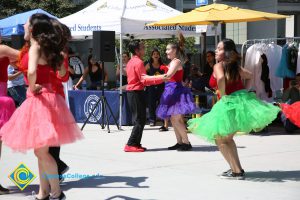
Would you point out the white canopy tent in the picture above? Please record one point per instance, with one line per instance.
(127, 18)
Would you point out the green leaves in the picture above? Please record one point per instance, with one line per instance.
(59, 8)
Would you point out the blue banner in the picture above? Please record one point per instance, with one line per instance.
(82, 102)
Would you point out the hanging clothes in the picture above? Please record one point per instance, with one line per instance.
(253, 63)
(283, 70)
(298, 63)
(273, 54)
(265, 75)
(292, 57)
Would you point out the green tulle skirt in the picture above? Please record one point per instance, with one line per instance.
(240, 111)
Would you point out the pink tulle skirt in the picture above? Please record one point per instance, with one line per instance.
(42, 120)
(7, 105)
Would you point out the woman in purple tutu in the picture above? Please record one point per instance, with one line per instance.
(176, 99)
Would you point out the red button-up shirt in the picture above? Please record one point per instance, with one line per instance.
(135, 69)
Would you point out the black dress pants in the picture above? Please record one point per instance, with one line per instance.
(137, 105)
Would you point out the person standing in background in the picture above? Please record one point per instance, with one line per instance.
(76, 68)
(209, 67)
(155, 67)
(16, 87)
(125, 59)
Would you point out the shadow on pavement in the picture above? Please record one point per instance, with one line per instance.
(273, 176)
(92, 182)
(203, 148)
(121, 197)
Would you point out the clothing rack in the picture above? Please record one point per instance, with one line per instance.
(269, 40)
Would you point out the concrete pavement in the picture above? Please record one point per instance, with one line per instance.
(271, 161)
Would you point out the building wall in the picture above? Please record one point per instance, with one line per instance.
(263, 29)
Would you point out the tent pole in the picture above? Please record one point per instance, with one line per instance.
(216, 33)
(121, 73)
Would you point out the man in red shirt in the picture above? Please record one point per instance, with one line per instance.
(135, 94)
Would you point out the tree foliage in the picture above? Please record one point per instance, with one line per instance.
(59, 8)
(161, 45)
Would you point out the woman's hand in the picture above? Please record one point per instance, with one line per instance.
(36, 89)
(75, 87)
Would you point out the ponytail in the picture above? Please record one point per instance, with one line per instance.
(179, 46)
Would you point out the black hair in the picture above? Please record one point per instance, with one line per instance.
(133, 46)
(179, 46)
(159, 60)
(126, 53)
(211, 52)
(90, 64)
(48, 38)
(298, 73)
(231, 61)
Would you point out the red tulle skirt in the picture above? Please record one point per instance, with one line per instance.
(42, 120)
(292, 112)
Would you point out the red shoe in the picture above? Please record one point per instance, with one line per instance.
(141, 147)
(133, 149)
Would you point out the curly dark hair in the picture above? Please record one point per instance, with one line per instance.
(51, 40)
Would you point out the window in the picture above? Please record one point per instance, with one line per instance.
(237, 32)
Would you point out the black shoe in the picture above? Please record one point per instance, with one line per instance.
(163, 129)
(46, 198)
(175, 147)
(3, 190)
(152, 124)
(234, 176)
(61, 172)
(185, 147)
(229, 171)
(62, 196)
(33, 196)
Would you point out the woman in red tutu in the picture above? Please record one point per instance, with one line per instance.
(42, 124)
(7, 105)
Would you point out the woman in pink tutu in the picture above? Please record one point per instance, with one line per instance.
(38, 123)
(7, 105)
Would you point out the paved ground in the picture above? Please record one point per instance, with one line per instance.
(272, 163)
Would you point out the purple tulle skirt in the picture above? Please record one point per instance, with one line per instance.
(176, 100)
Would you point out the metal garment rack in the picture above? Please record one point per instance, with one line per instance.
(269, 40)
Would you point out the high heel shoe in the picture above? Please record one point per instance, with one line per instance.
(62, 196)
(3, 190)
(33, 197)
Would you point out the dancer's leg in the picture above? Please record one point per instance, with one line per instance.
(177, 133)
(235, 157)
(179, 123)
(44, 190)
(50, 168)
(223, 147)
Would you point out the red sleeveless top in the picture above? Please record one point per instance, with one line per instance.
(4, 62)
(230, 87)
(177, 77)
(46, 75)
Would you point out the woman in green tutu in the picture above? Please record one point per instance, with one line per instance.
(237, 110)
